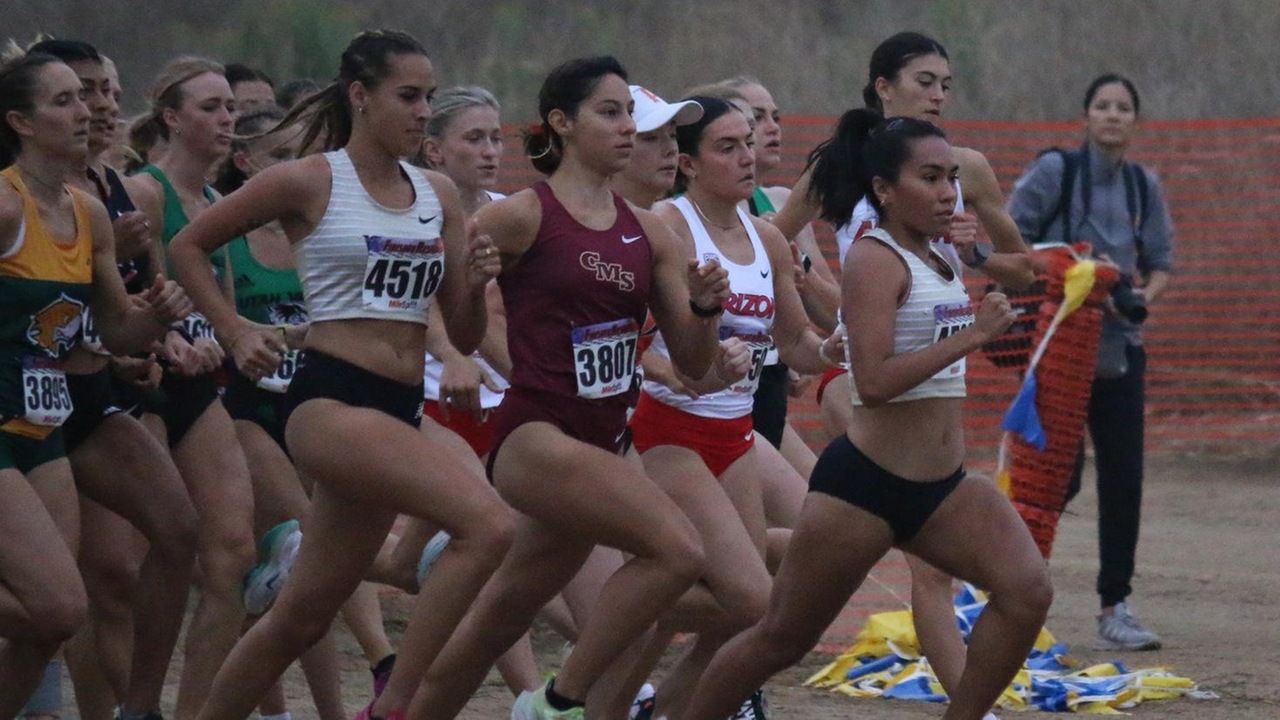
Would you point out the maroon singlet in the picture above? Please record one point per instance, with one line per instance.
(575, 278)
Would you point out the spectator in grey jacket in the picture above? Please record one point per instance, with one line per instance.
(1119, 208)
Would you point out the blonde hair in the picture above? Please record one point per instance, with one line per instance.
(166, 94)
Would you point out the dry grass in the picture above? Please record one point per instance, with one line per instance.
(1013, 59)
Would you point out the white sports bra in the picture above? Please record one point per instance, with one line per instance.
(364, 260)
(936, 307)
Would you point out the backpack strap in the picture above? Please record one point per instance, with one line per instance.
(1070, 165)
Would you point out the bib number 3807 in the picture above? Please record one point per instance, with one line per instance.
(604, 358)
(45, 397)
(401, 274)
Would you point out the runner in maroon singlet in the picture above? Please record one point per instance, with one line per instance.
(580, 268)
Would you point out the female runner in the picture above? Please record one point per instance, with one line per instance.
(57, 257)
(910, 76)
(581, 268)
(192, 111)
(910, 327)
(375, 240)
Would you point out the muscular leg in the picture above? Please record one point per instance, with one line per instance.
(214, 469)
(123, 468)
(42, 600)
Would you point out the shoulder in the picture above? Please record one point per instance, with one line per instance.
(143, 190)
(299, 178)
(656, 221)
(10, 214)
(440, 183)
(99, 218)
(517, 213)
(667, 211)
(769, 235)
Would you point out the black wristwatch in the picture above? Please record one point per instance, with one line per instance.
(979, 257)
(705, 312)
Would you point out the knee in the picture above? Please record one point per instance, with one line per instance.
(749, 607)
(224, 559)
(685, 559)
(299, 632)
(111, 575)
(180, 537)
(57, 615)
(490, 535)
(781, 646)
(1027, 594)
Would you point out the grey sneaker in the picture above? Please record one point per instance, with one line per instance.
(1123, 631)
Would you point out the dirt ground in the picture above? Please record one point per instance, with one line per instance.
(1208, 581)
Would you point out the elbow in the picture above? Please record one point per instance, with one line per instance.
(873, 395)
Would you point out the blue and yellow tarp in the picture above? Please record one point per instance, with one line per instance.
(885, 661)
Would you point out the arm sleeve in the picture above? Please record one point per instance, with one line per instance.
(1035, 195)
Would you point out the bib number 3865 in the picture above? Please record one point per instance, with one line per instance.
(604, 358)
(45, 397)
(401, 274)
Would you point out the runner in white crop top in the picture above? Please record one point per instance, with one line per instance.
(364, 260)
(936, 307)
(376, 240)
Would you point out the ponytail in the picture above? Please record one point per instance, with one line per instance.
(837, 176)
(865, 146)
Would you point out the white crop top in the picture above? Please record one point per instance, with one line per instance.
(364, 260)
(936, 307)
(748, 315)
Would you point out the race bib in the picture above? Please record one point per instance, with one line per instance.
(401, 274)
(278, 381)
(760, 343)
(949, 319)
(197, 326)
(89, 336)
(604, 358)
(45, 397)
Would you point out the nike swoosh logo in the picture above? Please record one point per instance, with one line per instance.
(764, 273)
(628, 240)
(427, 220)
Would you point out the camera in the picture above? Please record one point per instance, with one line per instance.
(1128, 302)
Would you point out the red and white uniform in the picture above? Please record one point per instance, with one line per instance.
(717, 425)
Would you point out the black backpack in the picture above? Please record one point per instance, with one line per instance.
(1076, 162)
(1013, 348)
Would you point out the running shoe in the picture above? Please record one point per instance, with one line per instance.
(522, 709)
(642, 706)
(536, 707)
(1123, 631)
(277, 551)
(382, 674)
(430, 553)
(755, 708)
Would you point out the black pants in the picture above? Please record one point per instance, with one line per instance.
(1116, 414)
